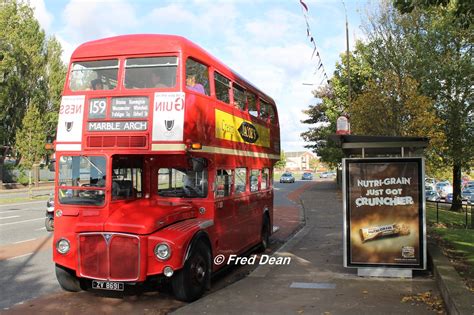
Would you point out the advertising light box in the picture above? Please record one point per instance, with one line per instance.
(384, 222)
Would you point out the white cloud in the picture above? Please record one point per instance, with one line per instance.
(44, 17)
(91, 20)
(263, 41)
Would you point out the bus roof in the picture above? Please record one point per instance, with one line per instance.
(142, 44)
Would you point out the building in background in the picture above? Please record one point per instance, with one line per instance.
(299, 161)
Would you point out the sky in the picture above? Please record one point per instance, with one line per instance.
(265, 41)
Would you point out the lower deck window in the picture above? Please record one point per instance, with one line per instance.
(240, 180)
(175, 182)
(223, 183)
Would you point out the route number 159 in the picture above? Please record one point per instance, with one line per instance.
(97, 108)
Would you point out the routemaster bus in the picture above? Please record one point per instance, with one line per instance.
(164, 160)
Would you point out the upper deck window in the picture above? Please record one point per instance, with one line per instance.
(267, 111)
(222, 85)
(153, 72)
(197, 76)
(239, 96)
(94, 75)
(252, 104)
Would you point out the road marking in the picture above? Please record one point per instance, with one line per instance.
(313, 285)
(2, 224)
(24, 203)
(13, 216)
(2, 212)
(31, 239)
(43, 228)
(19, 256)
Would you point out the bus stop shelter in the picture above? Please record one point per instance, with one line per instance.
(378, 146)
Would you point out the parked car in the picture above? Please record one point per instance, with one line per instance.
(287, 178)
(49, 221)
(469, 186)
(429, 188)
(432, 195)
(468, 194)
(444, 188)
(307, 176)
(430, 182)
(327, 174)
(449, 198)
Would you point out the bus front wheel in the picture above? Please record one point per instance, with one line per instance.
(190, 282)
(67, 280)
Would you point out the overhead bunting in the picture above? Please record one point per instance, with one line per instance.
(319, 66)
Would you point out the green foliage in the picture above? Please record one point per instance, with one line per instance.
(333, 101)
(31, 69)
(23, 50)
(441, 55)
(282, 162)
(31, 138)
(413, 77)
(55, 74)
(23, 178)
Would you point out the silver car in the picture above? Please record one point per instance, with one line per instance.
(467, 194)
(431, 195)
(444, 188)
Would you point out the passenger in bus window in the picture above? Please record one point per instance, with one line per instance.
(156, 81)
(192, 85)
(97, 84)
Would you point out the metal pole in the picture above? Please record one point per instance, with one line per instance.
(437, 213)
(348, 67)
(472, 215)
(467, 225)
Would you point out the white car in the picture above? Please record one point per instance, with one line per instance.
(444, 188)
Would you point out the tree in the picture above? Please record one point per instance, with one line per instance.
(24, 63)
(432, 44)
(31, 138)
(393, 106)
(332, 102)
(31, 71)
(282, 162)
(55, 71)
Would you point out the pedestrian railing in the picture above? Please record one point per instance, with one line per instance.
(450, 218)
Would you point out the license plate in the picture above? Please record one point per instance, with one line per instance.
(108, 285)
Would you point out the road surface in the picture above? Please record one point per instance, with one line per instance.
(27, 270)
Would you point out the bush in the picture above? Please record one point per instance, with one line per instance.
(23, 178)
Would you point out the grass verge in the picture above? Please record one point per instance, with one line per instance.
(456, 241)
(5, 201)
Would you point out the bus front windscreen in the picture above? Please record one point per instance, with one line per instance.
(82, 180)
(151, 72)
(94, 75)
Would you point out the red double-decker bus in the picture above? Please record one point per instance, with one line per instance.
(164, 161)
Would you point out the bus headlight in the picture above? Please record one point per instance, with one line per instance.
(162, 251)
(63, 246)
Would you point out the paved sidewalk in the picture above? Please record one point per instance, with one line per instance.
(316, 260)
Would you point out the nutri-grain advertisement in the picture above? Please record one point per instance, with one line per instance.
(384, 216)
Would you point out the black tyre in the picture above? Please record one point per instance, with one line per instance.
(49, 224)
(67, 280)
(265, 234)
(190, 282)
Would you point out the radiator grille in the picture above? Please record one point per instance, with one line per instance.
(115, 259)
